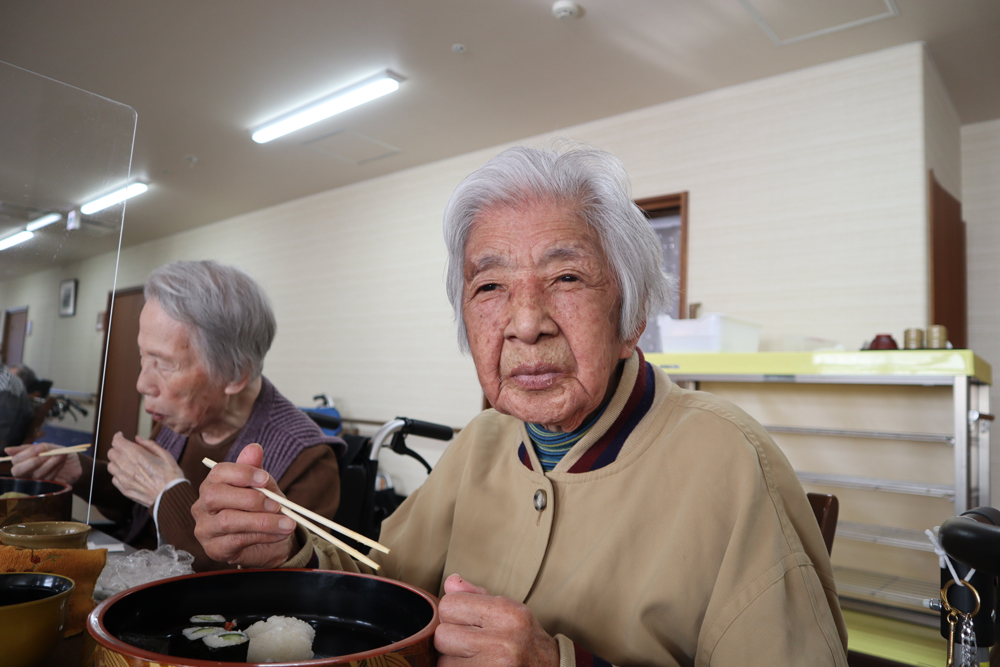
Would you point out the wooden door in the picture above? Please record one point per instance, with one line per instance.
(948, 279)
(118, 401)
(673, 206)
(668, 216)
(15, 326)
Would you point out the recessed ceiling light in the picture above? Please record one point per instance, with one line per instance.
(12, 241)
(35, 225)
(113, 198)
(342, 100)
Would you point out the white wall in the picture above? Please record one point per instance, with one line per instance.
(808, 214)
(981, 211)
(66, 350)
(942, 132)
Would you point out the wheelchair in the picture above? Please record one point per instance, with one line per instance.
(972, 542)
(363, 505)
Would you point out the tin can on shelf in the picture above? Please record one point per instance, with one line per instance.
(937, 337)
(913, 339)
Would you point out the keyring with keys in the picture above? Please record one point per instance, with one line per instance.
(968, 632)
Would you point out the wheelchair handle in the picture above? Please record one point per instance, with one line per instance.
(408, 426)
(427, 429)
(974, 539)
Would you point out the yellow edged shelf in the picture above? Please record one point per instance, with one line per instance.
(929, 363)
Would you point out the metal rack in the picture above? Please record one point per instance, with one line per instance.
(967, 375)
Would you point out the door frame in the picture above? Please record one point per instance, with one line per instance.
(103, 444)
(654, 207)
(6, 332)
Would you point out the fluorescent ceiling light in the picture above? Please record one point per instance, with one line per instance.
(113, 198)
(35, 225)
(12, 241)
(342, 100)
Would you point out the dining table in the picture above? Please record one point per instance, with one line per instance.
(75, 651)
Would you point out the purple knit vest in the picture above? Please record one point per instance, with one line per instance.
(278, 426)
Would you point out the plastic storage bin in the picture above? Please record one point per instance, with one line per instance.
(712, 332)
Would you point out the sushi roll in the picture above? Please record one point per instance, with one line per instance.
(201, 631)
(188, 644)
(227, 646)
(208, 619)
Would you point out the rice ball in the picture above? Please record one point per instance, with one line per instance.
(280, 639)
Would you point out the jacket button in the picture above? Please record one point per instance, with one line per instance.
(539, 500)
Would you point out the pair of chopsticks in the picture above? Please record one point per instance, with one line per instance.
(289, 509)
(75, 449)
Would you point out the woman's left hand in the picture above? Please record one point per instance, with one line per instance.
(482, 629)
(141, 469)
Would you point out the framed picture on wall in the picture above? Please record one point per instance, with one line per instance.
(67, 298)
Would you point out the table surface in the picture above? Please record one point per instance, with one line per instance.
(98, 539)
(76, 651)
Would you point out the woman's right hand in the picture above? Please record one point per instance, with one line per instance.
(237, 524)
(27, 464)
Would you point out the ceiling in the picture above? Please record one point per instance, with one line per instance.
(199, 73)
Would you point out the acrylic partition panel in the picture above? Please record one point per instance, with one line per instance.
(60, 148)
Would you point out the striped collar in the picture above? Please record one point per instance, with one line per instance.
(608, 446)
(552, 447)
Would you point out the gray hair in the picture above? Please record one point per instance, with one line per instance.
(590, 182)
(229, 315)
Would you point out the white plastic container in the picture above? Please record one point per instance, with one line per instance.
(712, 332)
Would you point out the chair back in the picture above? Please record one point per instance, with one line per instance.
(826, 507)
(40, 412)
(357, 508)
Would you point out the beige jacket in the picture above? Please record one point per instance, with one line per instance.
(695, 546)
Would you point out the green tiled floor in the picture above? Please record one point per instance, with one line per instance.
(895, 640)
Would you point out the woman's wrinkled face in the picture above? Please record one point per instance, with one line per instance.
(177, 386)
(541, 309)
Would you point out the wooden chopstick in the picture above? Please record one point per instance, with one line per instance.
(309, 525)
(315, 517)
(75, 449)
(66, 450)
(284, 502)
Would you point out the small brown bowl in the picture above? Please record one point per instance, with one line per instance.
(883, 342)
(33, 609)
(46, 535)
(43, 501)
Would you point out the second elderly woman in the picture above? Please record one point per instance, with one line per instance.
(600, 513)
(203, 335)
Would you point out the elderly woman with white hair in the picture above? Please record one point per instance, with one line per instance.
(203, 335)
(599, 513)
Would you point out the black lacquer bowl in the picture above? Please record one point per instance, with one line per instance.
(360, 620)
(46, 501)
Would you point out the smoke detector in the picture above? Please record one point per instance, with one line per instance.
(566, 9)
